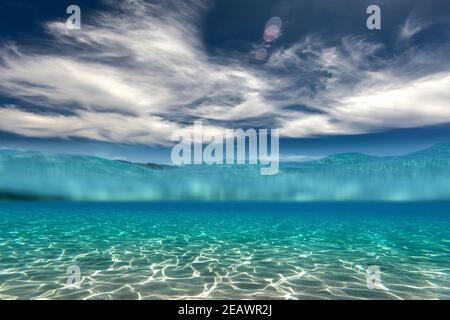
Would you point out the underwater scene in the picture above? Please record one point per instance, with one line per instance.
(209, 150)
(419, 176)
(225, 233)
(224, 251)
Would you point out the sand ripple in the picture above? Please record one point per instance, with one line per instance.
(131, 251)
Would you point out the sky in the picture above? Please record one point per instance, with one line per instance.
(137, 71)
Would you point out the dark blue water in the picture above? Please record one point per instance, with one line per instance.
(224, 250)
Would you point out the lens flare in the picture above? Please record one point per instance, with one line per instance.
(272, 29)
(260, 54)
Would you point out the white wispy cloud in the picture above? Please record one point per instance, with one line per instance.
(138, 76)
(355, 98)
(412, 26)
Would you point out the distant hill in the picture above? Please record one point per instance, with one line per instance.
(346, 158)
(423, 175)
(149, 165)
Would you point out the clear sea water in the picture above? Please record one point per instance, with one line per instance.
(224, 250)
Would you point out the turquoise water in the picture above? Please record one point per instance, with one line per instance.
(420, 176)
(224, 250)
